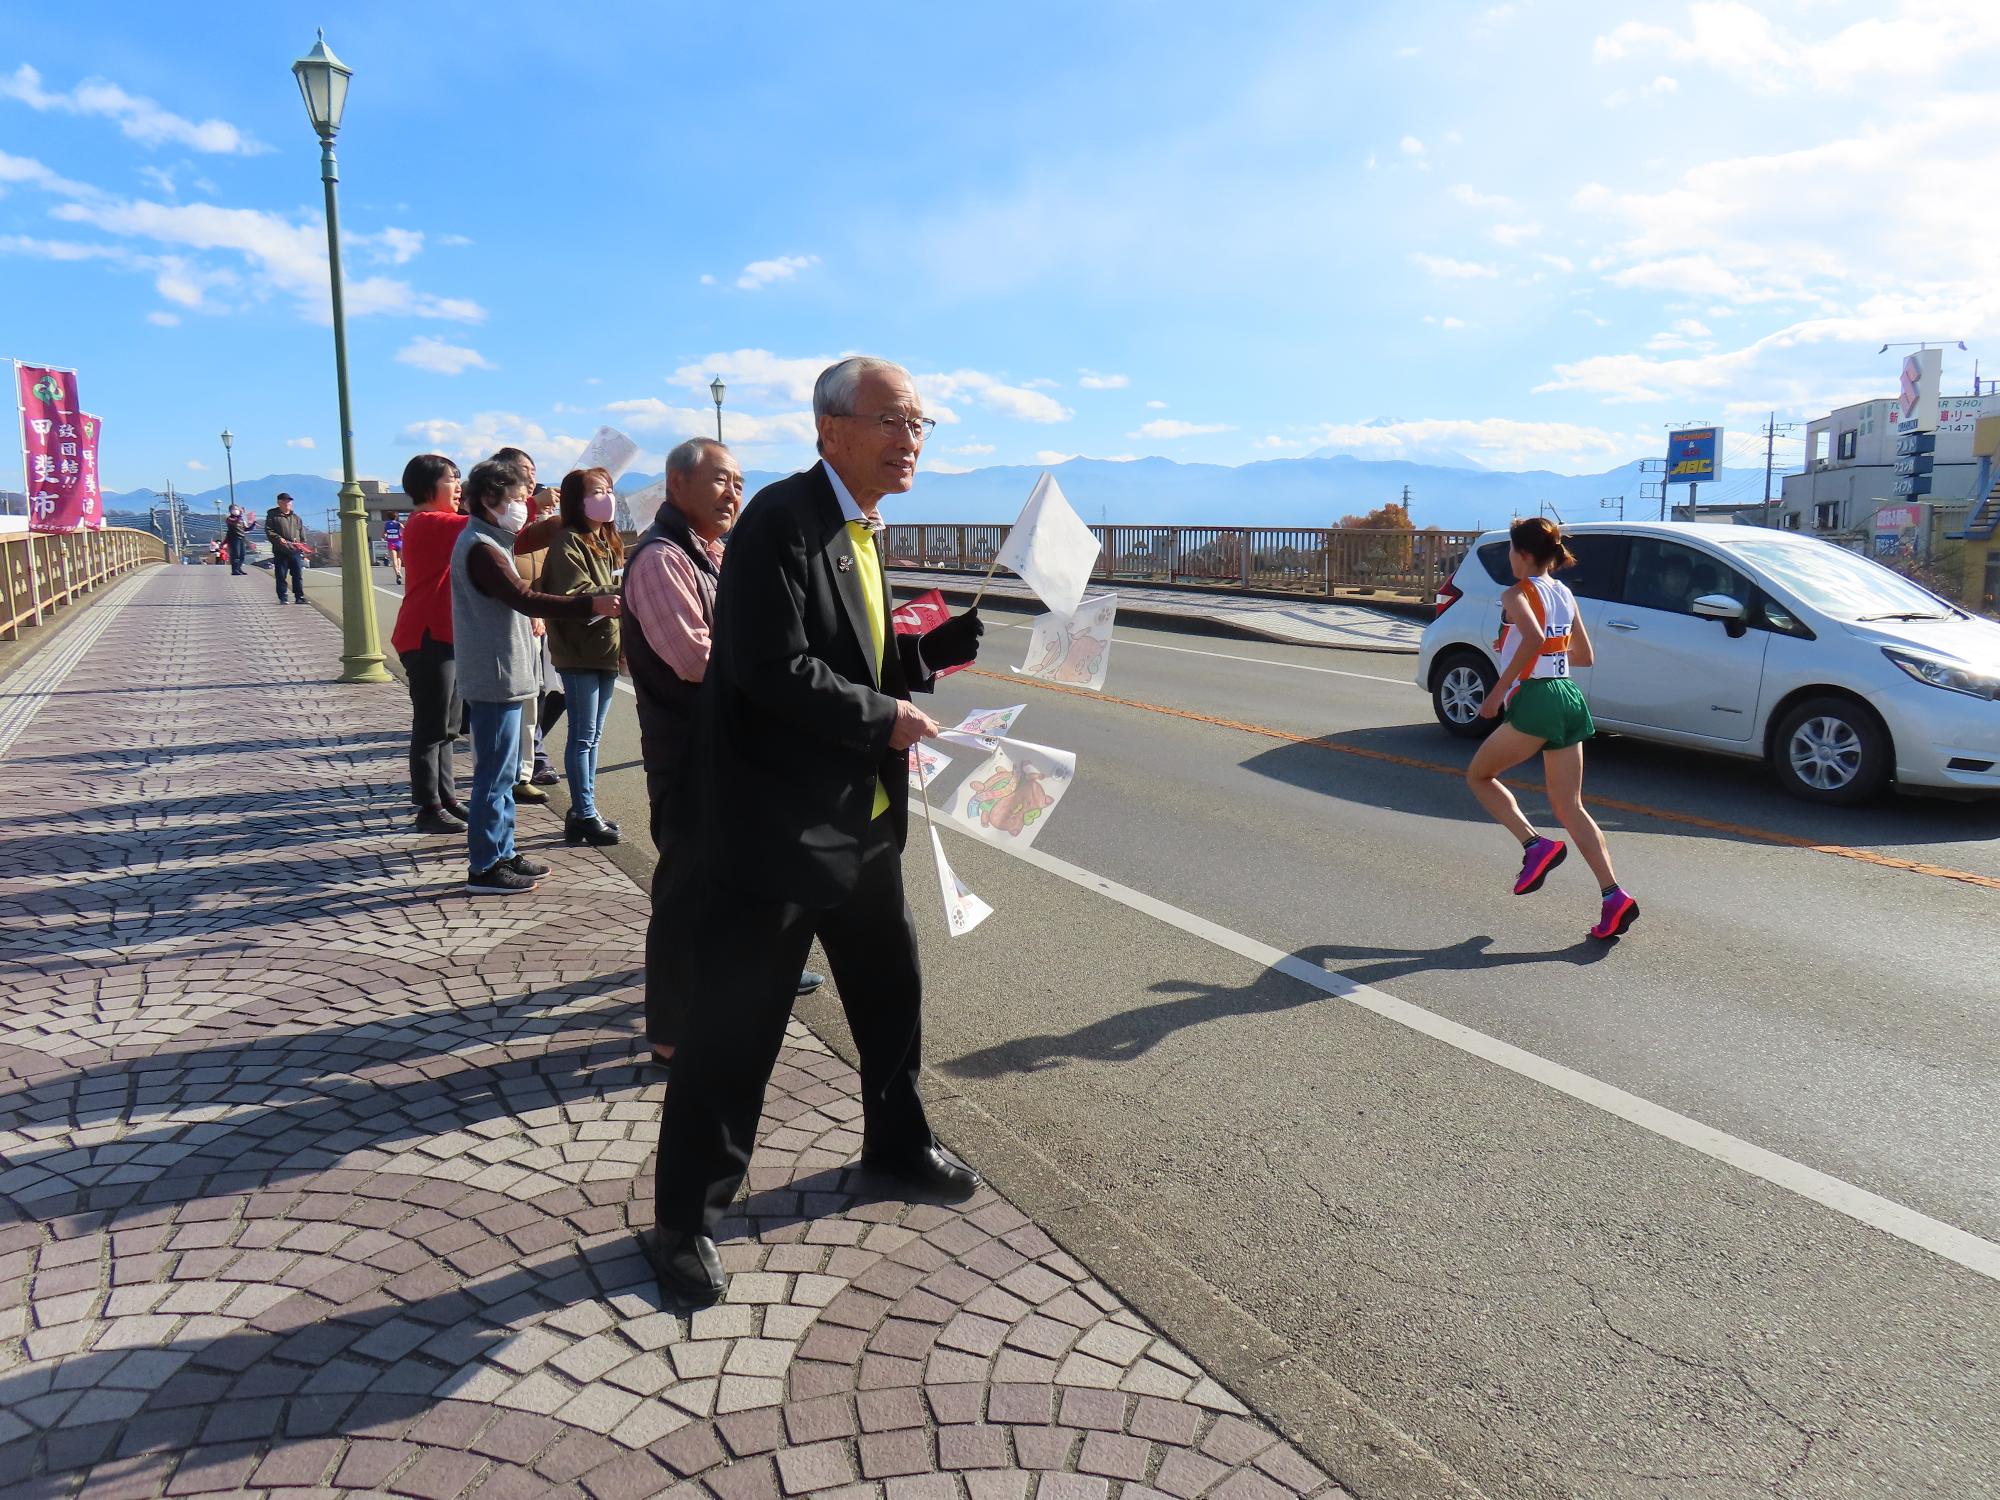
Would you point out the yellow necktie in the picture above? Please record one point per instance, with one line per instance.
(868, 572)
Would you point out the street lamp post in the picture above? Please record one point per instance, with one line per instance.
(227, 439)
(323, 81)
(715, 389)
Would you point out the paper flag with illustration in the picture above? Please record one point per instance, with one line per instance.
(1008, 799)
(986, 724)
(925, 765)
(1074, 651)
(1050, 548)
(608, 449)
(963, 911)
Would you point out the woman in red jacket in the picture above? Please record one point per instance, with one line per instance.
(422, 635)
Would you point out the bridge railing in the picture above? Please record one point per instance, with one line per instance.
(1316, 561)
(42, 571)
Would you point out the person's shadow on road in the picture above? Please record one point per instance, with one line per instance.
(1133, 1033)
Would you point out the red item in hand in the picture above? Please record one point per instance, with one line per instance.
(921, 615)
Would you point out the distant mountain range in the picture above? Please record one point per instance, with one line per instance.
(1450, 491)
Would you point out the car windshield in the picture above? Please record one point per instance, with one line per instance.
(1840, 583)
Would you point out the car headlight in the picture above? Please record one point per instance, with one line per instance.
(1952, 676)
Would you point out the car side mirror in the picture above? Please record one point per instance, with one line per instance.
(1720, 607)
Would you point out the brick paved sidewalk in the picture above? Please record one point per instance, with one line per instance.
(321, 1177)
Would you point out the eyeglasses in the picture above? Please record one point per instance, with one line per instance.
(918, 428)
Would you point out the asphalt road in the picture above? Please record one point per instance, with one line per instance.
(1446, 1216)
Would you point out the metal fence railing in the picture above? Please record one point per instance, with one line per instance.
(1321, 561)
(40, 571)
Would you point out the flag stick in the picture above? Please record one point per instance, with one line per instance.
(991, 569)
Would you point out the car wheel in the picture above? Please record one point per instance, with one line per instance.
(1458, 687)
(1832, 750)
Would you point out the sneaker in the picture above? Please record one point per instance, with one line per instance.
(520, 864)
(1620, 912)
(502, 880)
(436, 820)
(546, 777)
(1540, 857)
(527, 791)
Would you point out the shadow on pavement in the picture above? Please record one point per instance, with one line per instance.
(1362, 765)
(1133, 1033)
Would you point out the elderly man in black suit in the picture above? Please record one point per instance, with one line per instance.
(794, 806)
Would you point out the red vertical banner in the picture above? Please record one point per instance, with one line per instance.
(93, 496)
(51, 446)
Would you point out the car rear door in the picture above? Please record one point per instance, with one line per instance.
(1661, 666)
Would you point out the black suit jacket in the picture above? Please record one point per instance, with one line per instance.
(791, 726)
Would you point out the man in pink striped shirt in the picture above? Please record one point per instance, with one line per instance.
(670, 583)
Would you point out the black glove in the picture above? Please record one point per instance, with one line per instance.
(954, 643)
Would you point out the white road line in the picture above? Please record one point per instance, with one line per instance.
(1125, 640)
(1948, 1241)
(623, 686)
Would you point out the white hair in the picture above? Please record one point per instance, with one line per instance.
(835, 390)
(686, 457)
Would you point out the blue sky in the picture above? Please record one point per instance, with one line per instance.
(1532, 233)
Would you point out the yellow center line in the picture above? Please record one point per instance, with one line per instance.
(1386, 757)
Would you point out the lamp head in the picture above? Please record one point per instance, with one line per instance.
(716, 388)
(323, 81)
(227, 437)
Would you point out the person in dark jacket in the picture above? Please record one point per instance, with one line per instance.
(236, 538)
(585, 558)
(793, 801)
(285, 529)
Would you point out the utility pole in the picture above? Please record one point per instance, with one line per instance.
(1770, 456)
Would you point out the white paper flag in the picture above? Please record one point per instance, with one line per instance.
(987, 723)
(1008, 799)
(609, 449)
(925, 766)
(1050, 548)
(1074, 651)
(636, 510)
(963, 911)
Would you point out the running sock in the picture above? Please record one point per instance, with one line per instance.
(1531, 840)
(1610, 890)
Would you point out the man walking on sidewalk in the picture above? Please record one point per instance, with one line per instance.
(286, 532)
(794, 802)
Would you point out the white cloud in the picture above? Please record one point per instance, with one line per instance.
(27, 172)
(197, 466)
(1514, 234)
(1471, 197)
(1156, 405)
(453, 241)
(1561, 263)
(1452, 270)
(1446, 322)
(1905, 39)
(440, 357)
(491, 430)
(1090, 380)
(1009, 400)
(972, 450)
(301, 442)
(706, 279)
(1498, 442)
(1408, 52)
(761, 273)
(140, 119)
(161, 178)
(393, 246)
(1048, 458)
(739, 428)
(163, 319)
(939, 466)
(1411, 146)
(757, 373)
(1274, 442)
(283, 256)
(1172, 427)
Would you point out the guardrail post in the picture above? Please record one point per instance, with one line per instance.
(1243, 557)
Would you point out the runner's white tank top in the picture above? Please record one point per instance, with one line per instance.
(1554, 608)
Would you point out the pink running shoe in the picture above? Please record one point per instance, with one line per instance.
(1620, 912)
(1540, 857)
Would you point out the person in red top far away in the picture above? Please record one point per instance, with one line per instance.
(422, 634)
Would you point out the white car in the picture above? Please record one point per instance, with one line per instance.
(1749, 642)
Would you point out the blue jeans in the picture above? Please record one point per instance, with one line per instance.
(496, 756)
(588, 705)
(236, 554)
(285, 564)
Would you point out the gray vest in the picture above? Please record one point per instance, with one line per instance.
(497, 657)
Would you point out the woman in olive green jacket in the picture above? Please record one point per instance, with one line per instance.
(586, 558)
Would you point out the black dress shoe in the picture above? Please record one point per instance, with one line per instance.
(931, 1168)
(592, 830)
(810, 980)
(436, 820)
(688, 1268)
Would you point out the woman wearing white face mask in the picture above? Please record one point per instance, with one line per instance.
(585, 559)
(498, 662)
